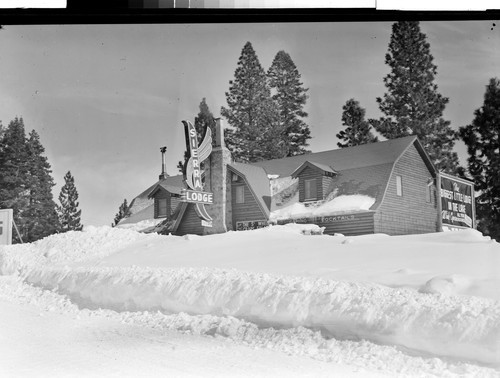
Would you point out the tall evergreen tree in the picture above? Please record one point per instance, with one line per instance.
(357, 129)
(412, 104)
(40, 216)
(204, 119)
(256, 133)
(290, 97)
(69, 215)
(14, 172)
(123, 212)
(482, 138)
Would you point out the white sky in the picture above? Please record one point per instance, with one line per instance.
(105, 98)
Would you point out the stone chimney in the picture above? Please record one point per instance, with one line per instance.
(218, 181)
(163, 174)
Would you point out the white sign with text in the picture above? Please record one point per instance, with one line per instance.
(6, 226)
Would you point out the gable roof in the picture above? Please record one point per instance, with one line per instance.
(314, 165)
(172, 184)
(364, 169)
(258, 182)
(345, 158)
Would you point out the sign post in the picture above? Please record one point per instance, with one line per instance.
(6, 220)
(456, 203)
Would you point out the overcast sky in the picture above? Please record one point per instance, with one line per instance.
(105, 98)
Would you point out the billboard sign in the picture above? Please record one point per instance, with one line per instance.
(457, 202)
(6, 226)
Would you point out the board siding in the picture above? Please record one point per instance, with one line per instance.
(161, 194)
(361, 224)
(247, 211)
(326, 182)
(309, 174)
(409, 213)
(190, 222)
(174, 202)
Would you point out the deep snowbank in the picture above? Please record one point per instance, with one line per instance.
(349, 358)
(464, 327)
(91, 243)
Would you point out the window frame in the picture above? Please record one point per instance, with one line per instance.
(239, 194)
(428, 192)
(399, 185)
(314, 195)
(159, 208)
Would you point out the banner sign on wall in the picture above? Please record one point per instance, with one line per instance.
(457, 202)
(324, 219)
(250, 225)
(6, 226)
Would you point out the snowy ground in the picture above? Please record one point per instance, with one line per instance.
(269, 302)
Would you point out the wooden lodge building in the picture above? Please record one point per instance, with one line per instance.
(385, 187)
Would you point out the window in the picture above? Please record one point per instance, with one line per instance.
(428, 192)
(239, 193)
(311, 191)
(399, 186)
(162, 207)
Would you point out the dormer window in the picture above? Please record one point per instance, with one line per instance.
(314, 180)
(311, 190)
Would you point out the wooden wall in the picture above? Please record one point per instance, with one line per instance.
(172, 202)
(359, 223)
(308, 174)
(162, 194)
(349, 224)
(247, 211)
(190, 222)
(409, 213)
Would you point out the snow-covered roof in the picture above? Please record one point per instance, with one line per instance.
(172, 184)
(360, 170)
(313, 164)
(342, 159)
(142, 215)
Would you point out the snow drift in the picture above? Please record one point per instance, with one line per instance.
(464, 327)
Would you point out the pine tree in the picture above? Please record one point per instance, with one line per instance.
(123, 212)
(482, 138)
(412, 104)
(69, 215)
(40, 216)
(14, 172)
(256, 133)
(357, 129)
(290, 97)
(203, 120)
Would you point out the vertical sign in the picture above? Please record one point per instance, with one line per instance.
(192, 172)
(6, 226)
(457, 202)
